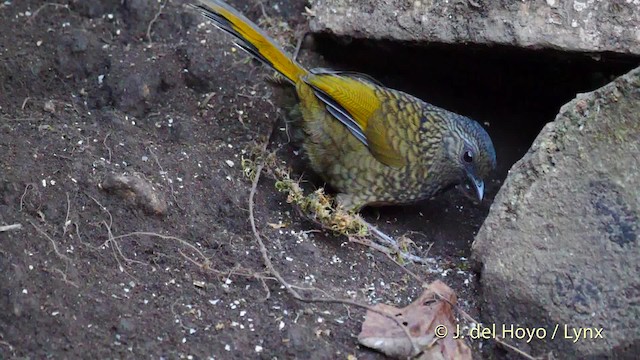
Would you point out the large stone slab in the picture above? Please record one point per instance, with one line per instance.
(561, 242)
(585, 25)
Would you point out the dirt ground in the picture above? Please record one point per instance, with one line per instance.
(93, 88)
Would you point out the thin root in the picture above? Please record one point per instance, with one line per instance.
(289, 288)
(155, 18)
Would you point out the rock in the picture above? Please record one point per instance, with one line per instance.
(137, 191)
(585, 25)
(561, 242)
(49, 106)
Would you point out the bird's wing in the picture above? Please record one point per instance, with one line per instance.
(353, 74)
(353, 102)
(379, 138)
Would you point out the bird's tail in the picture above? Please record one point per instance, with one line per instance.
(251, 38)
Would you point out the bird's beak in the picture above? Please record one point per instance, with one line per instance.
(477, 184)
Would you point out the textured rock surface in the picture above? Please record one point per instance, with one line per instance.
(585, 25)
(561, 242)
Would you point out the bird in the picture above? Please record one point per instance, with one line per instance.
(373, 144)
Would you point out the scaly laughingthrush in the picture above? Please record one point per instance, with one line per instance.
(375, 145)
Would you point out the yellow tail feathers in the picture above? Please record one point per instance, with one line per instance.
(251, 38)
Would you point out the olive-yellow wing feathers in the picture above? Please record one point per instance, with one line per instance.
(354, 102)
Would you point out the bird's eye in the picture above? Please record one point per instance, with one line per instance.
(467, 156)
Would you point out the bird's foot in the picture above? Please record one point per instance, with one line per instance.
(386, 244)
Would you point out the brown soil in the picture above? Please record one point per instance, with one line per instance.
(96, 88)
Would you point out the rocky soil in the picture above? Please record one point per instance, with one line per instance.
(123, 129)
(91, 91)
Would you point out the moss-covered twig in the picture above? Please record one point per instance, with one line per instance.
(319, 207)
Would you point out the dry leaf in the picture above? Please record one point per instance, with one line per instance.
(421, 319)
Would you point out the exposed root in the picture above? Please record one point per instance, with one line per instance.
(65, 278)
(67, 222)
(177, 316)
(204, 263)
(104, 142)
(318, 207)
(165, 177)
(54, 5)
(299, 46)
(57, 251)
(26, 188)
(53, 243)
(200, 259)
(11, 227)
(203, 104)
(291, 289)
(4, 343)
(110, 242)
(155, 18)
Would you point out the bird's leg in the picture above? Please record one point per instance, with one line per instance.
(386, 244)
(377, 240)
(381, 236)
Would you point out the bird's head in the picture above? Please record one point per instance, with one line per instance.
(470, 150)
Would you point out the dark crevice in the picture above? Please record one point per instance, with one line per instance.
(515, 91)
